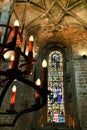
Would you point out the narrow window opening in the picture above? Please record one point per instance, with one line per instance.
(55, 108)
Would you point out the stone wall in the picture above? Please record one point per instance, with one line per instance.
(81, 90)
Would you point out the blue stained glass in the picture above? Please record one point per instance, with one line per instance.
(56, 112)
(55, 61)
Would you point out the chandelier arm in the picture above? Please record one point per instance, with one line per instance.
(8, 46)
(27, 58)
(43, 92)
(4, 91)
(23, 65)
(2, 45)
(7, 124)
(8, 34)
(3, 80)
(40, 90)
(31, 109)
(5, 25)
(2, 73)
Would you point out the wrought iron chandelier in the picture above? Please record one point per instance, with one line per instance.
(19, 70)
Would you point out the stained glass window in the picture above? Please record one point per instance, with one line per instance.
(55, 111)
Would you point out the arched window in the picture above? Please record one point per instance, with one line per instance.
(55, 111)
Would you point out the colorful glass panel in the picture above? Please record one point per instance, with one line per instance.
(55, 112)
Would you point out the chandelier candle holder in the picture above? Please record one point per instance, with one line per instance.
(17, 72)
(30, 46)
(44, 74)
(11, 62)
(37, 95)
(13, 98)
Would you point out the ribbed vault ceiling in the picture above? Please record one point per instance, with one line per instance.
(58, 10)
(48, 18)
